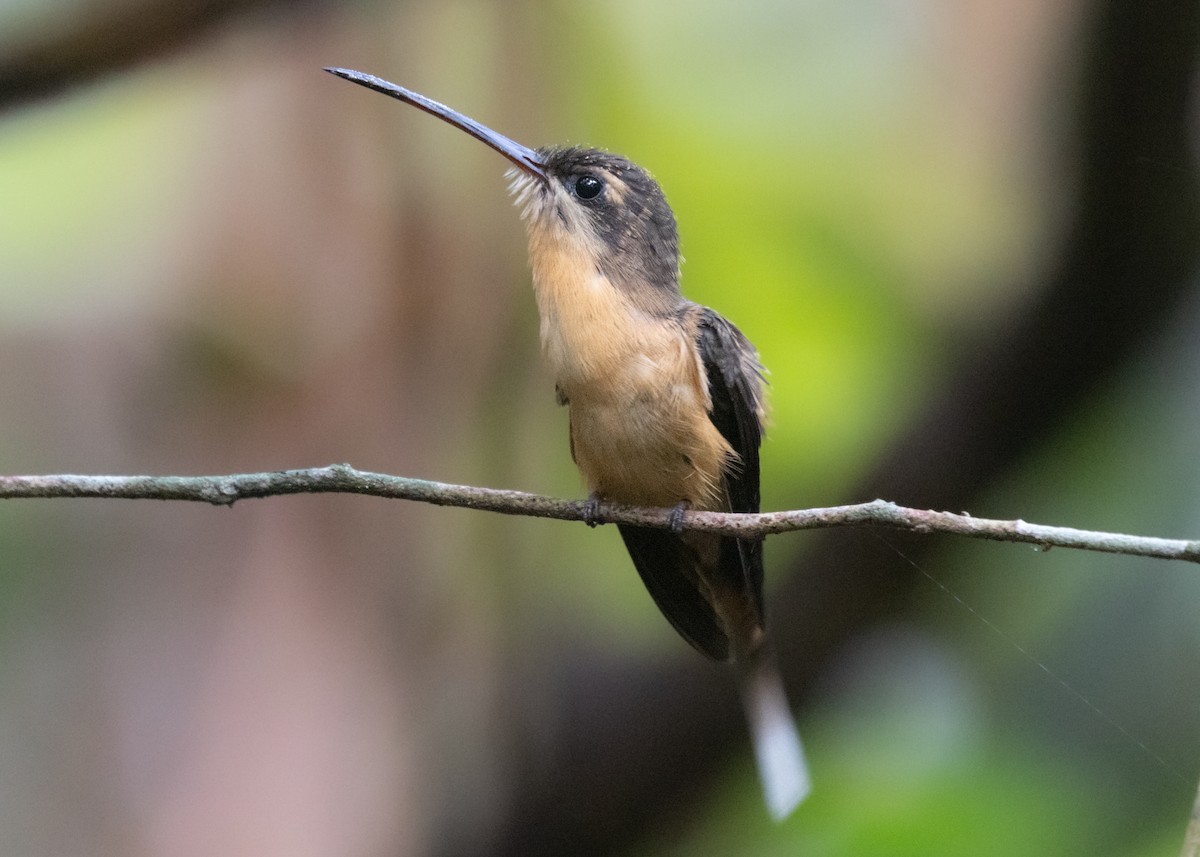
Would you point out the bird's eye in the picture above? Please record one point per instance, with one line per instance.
(588, 187)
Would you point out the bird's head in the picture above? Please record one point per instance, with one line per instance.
(603, 207)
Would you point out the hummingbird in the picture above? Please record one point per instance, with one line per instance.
(666, 405)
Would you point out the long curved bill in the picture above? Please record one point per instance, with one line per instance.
(525, 158)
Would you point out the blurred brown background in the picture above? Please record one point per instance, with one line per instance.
(962, 234)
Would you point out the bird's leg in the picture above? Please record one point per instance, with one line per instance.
(675, 519)
(591, 509)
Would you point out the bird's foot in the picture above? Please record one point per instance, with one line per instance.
(675, 519)
(591, 510)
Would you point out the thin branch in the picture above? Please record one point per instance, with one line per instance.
(344, 479)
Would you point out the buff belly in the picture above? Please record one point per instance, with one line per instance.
(653, 446)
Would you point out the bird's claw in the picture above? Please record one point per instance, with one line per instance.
(591, 510)
(675, 519)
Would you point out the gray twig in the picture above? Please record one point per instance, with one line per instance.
(342, 478)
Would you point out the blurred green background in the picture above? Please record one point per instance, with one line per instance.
(216, 258)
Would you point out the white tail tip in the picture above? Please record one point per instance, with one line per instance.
(777, 747)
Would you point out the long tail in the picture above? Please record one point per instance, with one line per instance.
(777, 747)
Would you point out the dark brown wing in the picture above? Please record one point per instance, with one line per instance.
(735, 385)
(668, 567)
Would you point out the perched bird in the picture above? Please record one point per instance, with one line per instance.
(665, 399)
